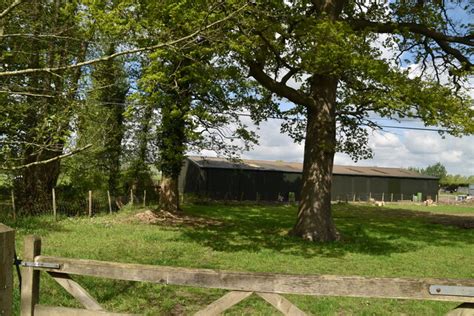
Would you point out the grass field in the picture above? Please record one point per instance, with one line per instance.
(460, 208)
(381, 242)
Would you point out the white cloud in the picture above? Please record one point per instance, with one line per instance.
(384, 140)
(391, 149)
(419, 149)
(427, 144)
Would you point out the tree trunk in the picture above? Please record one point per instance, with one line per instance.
(315, 221)
(169, 194)
(33, 189)
(113, 148)
(172, 141)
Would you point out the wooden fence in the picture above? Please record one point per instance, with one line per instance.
(241, 285)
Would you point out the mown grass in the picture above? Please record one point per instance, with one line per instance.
(460, 208)
(376, 242)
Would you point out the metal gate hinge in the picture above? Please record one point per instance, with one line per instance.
(45, 265)
(451, 290)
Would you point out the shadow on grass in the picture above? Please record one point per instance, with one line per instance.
(33, 225)
(364, 229)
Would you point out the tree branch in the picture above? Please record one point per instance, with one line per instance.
(288, 75)
(441, 39)
(29, 94)
(391, 27)
(465, 62)
(279, 88)
(125, 52)
(44, 162)
(11, 7)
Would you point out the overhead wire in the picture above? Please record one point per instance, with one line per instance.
(426, 129)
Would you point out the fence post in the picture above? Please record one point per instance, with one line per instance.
(354, 198)
(383, 196)
(402, 197)
(436, 199)
(13, 205)
(7, 240)
(391, 197)
(370, 196)
(131, 196)
(90, 203)
(54, 204)
(110, 201)
(30, 277)
(144, 198)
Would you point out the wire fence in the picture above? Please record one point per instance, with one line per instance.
(384, 197)
(405, 198)
(363, 197)
(88, 203)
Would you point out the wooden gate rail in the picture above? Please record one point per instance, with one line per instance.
(241, 284)
(320, 285)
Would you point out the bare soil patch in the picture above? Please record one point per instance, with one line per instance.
(453, 220)
(174, 219)
(459, 220)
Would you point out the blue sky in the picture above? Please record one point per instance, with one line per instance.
(391, 147)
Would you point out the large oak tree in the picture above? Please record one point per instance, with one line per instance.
(326, 57)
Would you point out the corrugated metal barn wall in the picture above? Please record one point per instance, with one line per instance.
(237, 184)
(234, 184)
(361, 188)
(252, 185)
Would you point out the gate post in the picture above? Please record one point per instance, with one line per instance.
(30, 277)
(7, 249)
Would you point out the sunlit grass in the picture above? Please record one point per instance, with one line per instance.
(459, 208)
(376, 242)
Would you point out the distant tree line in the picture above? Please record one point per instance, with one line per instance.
(447, 181)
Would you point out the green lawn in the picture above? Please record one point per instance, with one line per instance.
(459, 208)
(376, 242)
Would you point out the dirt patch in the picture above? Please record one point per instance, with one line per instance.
(174, 219)
(466, 222)
(178, 310)
(461, 221)
(457, 220)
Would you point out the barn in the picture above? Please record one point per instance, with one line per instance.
(254, 180)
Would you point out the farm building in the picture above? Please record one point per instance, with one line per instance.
(222, 179)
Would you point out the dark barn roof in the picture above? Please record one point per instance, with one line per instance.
(296, 167)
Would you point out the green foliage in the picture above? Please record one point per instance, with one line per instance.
(36, 108)
(435, 170)
(33, 123)
(448, 181)
(302, 41)
(196, 94)
(99, 121)
(455, 180)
